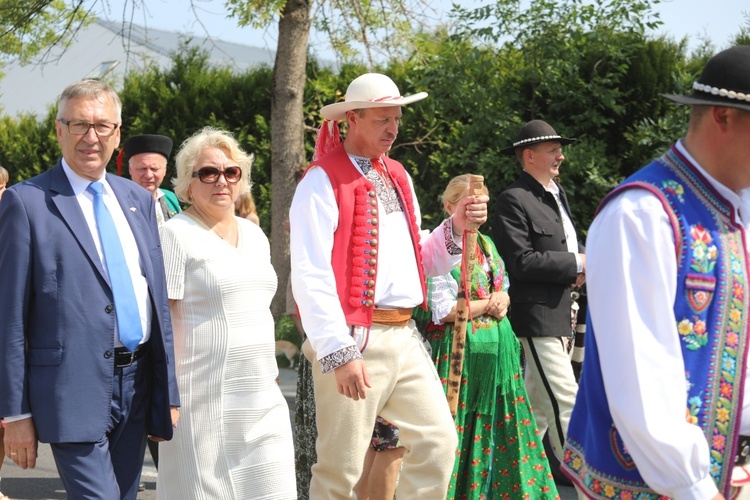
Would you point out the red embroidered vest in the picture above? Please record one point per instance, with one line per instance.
(355, 242)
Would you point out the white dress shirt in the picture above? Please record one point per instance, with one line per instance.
(313, 220)
(632, 281)
(571, 239)
(129, 246)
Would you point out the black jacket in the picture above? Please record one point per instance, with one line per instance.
(529, 235)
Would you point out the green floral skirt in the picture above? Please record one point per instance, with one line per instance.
(500, 453)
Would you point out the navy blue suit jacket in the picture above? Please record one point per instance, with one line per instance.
(57, 321)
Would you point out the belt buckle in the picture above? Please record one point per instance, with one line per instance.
(132, 359)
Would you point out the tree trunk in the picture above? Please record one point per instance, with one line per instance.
(287, 132)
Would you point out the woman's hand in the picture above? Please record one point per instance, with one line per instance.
(497, 305)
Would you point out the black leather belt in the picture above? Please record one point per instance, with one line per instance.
(124, 358)
(743, 450)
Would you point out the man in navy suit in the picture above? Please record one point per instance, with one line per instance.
(65, 376)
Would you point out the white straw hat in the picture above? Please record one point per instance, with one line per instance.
(371, 90)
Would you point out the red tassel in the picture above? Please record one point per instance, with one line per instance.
(119, 161)
(328, 138)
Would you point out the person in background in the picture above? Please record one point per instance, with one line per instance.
(665, 377)
(146, 156)
(235, 438)
(382, 464)
(86, 358)
(536, 238)
(494, 421)
(245, 208)
(354, 225)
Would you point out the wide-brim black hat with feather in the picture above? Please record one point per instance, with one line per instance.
(534, 132)
(725, 81)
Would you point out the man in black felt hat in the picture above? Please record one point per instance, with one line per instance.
(146, 156)
(536, 237)
(662, 409)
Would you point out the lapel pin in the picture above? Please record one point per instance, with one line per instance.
(133, 209)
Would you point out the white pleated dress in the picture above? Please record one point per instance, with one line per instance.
(234, 437)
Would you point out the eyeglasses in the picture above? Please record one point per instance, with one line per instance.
(209, 175)
(102, 129)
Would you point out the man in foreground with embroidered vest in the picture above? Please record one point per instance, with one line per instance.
(661, 407)
(359, 262)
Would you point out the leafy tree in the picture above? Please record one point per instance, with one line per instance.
(362, 21)
(190, 95)
(28, 27)
(589, 69)
(29, 146)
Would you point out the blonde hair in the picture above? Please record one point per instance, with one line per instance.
(457, 189)
(89, 89)
(4, 176)
(246, 205)
(208, 137)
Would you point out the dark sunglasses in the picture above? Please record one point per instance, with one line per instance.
(209, 175)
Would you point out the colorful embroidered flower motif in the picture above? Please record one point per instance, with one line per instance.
(693, 333)
(675, 188)
(703, 252)
(693, 410)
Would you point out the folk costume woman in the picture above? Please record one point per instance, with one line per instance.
(500, 454)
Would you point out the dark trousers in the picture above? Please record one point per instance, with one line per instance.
(110, 468)
(153, 447)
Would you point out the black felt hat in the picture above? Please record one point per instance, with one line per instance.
(725, 81)
(534, 132)
(147, 143)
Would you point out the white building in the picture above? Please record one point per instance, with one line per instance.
(108, 50)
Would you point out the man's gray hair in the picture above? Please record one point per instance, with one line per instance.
(89, 89)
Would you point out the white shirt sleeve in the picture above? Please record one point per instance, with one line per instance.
(441, 249)
(632, 277)
(313, 219)
(443, 294)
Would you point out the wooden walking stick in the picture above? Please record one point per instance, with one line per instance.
(476, 183)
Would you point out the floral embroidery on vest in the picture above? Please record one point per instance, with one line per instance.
(693, 333)
(712, 322)
(675, 188)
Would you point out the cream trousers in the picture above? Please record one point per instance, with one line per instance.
(406, 391)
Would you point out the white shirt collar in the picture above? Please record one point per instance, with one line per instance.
(78, 183)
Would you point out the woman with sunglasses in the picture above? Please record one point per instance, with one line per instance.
(234, 439)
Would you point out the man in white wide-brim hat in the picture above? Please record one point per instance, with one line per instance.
(359, 263)
(663, 408)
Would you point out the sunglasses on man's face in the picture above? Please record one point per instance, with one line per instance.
(209, 175)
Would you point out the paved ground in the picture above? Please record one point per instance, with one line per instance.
(43, 482)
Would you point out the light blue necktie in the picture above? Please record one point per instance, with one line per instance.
(126, 305)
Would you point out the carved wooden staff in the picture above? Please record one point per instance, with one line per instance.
(476, 183)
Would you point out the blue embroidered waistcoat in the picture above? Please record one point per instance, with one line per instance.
(711, 310)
